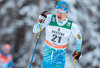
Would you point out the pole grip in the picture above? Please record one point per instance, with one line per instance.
(39, 31)
(74, 63)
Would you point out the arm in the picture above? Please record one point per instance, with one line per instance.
(36, 27)
(46, 21)
(79, 42)
(78, 36)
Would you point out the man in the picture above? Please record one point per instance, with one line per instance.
(58, 31)
(5, 57)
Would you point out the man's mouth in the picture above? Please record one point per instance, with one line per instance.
(59, 17)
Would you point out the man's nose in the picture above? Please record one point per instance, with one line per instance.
(59, 13)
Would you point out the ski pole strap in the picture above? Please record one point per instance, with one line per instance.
(74, 63)
(39, 32)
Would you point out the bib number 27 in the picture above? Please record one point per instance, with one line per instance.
(56, 37)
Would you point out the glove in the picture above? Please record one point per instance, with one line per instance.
(42, 17)
(76, 55)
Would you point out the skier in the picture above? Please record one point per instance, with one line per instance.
(58, 30)
(5, 57)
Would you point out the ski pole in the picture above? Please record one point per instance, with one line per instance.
(74, 63)
(35, 46)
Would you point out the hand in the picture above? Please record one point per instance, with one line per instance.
(42, 17)
(76, 55)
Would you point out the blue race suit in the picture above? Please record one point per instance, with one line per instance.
(6, 60)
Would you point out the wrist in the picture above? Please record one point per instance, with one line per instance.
(77, 51)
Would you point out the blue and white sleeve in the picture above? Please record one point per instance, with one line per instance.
(78, 36)
(36, 27)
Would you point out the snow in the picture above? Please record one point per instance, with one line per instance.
(30, 10)
(20, 2)
(1, 0)
(7, 5)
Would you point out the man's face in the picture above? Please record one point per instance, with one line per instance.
(6, 50)
(61, 14)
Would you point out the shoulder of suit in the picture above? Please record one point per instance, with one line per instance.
(49, 15)
(74, 25)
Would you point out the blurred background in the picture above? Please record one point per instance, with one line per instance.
(17, 18)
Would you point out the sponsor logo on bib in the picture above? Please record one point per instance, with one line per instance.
(68, 24)
(58, 29)
(53, 19)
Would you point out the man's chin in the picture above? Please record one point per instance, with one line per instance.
(59, 19)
